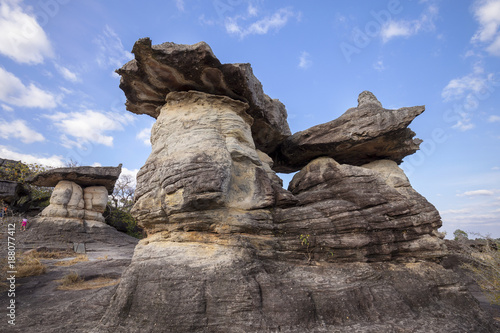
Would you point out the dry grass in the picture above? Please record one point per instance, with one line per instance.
(29, 266)
(79, 258)
(48, 254)
(73, 281)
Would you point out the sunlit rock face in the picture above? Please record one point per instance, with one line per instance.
(80, 193)
(349, 247)
(204, 169)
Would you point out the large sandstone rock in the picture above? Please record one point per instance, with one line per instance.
(352, 213)
(168, 67)
(350, 247)
(203, 159)
(84, 176)
(361, 135)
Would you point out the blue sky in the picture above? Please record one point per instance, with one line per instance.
(59, 96)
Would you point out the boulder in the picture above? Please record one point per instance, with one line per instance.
(168, 67)
(350, 247)
(362, 214)
(84, 176)
(361, 135)
(203, 159)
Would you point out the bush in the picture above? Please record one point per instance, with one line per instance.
(123, 221)
(483, 261)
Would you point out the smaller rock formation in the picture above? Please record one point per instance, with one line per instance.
(80, 193)
(361, 135)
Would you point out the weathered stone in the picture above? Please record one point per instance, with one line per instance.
(203, 158)
(11, 191)
(358, 214)
(69, 201)
(168, 67)
(361, 135)
(84, 176)
(348, 248)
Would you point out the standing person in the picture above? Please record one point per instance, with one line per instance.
(24, 223)
(4, 211)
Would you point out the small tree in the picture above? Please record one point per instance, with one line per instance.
(120, 203)
(483, 261)
(123, 195)
(460, 235)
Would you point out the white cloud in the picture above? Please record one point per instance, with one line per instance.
(379, 66)
(407, 28)
(18, 129)
(464, 123)
(477, 193)
(53, 161)
(495, 168)
(476, 83)
(67, 74)
(252, 11)
(180, 5)
(261, 27)
(22, 38)
(88, 126)
(305, 60)
(111, 51)
(144, 136)
(14, 92)
(7, 108)
(493, 119)
(487, 13)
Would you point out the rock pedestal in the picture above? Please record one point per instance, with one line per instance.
(80, 193)
(349, 247)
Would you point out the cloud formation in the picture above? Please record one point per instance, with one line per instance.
(67, 74)
(305, 60)
(144, 136)
(477, 193)
(14, 92)
(236, 25)
(22, 38)
(406, 28)
(111, 52)
(53, 161)
(88, 127)
(487, 13)
(18, 129)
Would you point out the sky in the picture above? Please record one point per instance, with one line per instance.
(60, 100)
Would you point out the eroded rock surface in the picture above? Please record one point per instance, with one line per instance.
(83, 176)
(361, 135)
(350, 247)
(168, 67)
(80, 193)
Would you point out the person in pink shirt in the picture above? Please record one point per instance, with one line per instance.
(24, 223)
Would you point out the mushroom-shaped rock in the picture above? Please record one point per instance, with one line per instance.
(84, 176)
(160, 69)
(361, 135)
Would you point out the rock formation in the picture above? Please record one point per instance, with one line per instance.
(349, 247)
(80, 193)
(361, 135)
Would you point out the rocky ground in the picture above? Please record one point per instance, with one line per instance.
(42, 307)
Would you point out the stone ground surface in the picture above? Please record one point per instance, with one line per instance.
(41, 307)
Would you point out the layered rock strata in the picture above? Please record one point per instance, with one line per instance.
(361, 135)
(80, 193)
(168, 67)
(349, 247)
